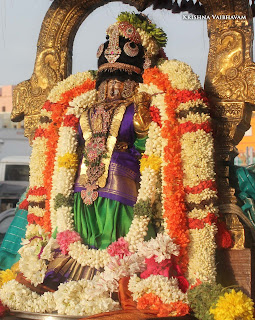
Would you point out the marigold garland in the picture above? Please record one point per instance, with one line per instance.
(153, 302)
(155, 115)
(52, 135)
(76, 91)
(173, 190)
(7, 275)
(178, 98)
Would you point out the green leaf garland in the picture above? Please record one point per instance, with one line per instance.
(150, 28)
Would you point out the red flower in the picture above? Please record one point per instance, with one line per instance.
(155, 116)
(193, 127)
(31, 218)
(210, 184)
(223, 236)
(71, 121)
(24, 204)
(163, 268)
(39, 133)
(3, 310)
(47, 105)
(167, 268)
(200, 223)
(41, 191)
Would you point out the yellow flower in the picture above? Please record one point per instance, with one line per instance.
(233, 306)
(69, 161)
(15, 267)
(6, 276)
(153, 162)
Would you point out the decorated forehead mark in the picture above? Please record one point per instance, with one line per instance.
(113, 51)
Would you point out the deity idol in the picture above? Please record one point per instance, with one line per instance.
(122, 191)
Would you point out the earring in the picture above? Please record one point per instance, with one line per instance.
(100, 50)
(147, 62)
(128, 89)
(102, 91)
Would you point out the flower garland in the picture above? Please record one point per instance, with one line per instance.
(86, 297)
(188, 183)
(55, 142)
(165, 168)
(153, 302)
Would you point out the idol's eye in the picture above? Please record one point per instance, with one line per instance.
(131, 49)
(100, 50)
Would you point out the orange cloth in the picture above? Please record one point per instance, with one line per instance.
(125, 296)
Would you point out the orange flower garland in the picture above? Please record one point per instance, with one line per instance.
(77, 91)
(51, 133)
(175, 210)
(185, 120)
(153, 302)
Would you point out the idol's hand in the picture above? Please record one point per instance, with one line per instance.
(142, 118)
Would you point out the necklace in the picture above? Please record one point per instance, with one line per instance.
(100, 126)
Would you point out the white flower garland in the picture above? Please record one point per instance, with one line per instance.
(87, 297)
(19, 297)
(166, 289)
(202, 254)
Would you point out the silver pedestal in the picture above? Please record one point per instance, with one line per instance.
(18, 315)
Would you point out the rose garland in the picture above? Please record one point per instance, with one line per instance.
(180, 118)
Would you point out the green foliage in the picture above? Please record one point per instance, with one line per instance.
(202, 297)
(148, 27)
(93, 74)
(60, 200)
(143, 208)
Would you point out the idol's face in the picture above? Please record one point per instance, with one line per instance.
(114, 89)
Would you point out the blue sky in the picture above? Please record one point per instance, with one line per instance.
(20, 22)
